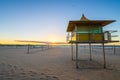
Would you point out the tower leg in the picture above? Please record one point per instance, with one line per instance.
(90, 51)
(72, 51)
(114, 49)
(104, 60)
(76, 55)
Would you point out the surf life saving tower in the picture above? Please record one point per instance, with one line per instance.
(88, 31)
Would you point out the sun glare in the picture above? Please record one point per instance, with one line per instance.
(53, 40)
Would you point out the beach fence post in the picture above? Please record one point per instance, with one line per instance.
(28, 49)
(90, 51)
(76, 55)
(72, 50)
(104, 60)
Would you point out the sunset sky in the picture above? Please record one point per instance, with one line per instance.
(47, 20)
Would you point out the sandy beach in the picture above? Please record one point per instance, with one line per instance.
(56, 64)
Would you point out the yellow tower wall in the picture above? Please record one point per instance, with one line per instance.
(89, 37)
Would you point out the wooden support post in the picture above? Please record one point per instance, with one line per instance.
(104, 60)
(72, 50)
(90, 51)
(114, 49)
(48, 46)
(28, 49)
(76, 55)
(42, 47)
(16, 46)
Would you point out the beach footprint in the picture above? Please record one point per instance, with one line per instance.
(13, 72)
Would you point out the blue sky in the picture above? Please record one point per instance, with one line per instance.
(47, 19)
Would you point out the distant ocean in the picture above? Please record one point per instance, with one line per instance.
(43, 46)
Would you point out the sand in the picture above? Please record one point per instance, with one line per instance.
(56, 64)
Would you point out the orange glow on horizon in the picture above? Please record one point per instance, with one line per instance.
(15, 42)
(34, 42)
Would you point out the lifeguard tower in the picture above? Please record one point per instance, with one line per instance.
(88, 31)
